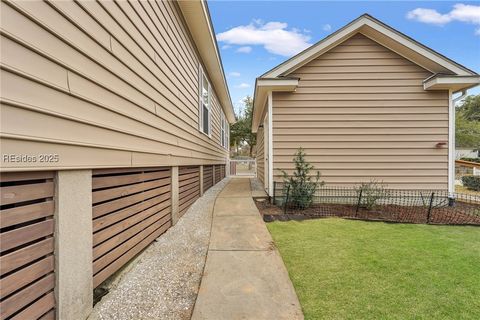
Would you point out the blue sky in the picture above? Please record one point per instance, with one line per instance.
(255, 36)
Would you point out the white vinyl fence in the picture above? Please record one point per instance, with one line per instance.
(244, 167)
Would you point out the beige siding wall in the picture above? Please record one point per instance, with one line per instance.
(260, 154)
(360, 112)
(101, 84)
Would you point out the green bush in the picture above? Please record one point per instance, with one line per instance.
(371, 192)
(471, 182)
(301, 186)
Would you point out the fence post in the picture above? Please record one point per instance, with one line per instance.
(359, 201)
(286, 200)
(430, 207)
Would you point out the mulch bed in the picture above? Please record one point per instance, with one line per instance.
(459, 214)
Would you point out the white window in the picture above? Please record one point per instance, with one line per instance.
(205, 97)
(227, 128)
(224, 131)
(223, 136)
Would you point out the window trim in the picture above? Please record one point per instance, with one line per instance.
(224, 131)
(223, 135)
(201, 76)
(227, 135)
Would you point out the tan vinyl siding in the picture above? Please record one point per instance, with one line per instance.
(115, 80)
(260, 154)
(360, 112)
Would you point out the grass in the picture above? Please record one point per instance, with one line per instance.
(345, 269)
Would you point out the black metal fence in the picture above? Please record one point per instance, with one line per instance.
(398, 205)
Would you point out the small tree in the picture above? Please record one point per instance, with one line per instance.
(301, 186)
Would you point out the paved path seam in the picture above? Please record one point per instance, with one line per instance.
(244, 275)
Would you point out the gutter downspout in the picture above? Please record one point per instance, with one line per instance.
(270, 144)
(451, 140)
(463, 95)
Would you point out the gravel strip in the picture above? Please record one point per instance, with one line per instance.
(163, 281)
(256, 185)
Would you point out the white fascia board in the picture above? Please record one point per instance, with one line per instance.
(263, 88)
(454, 83)
(277, 83)
(259, 100)
(417, 48)
(197, 17)
(314, 51)
(341, 35)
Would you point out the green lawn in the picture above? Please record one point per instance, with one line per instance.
(344, 269)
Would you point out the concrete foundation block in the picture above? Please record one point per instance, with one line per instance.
(73, 244)
(175, 195)
(201, 181)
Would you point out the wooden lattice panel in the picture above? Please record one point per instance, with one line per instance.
(189, 187)
(27, 245)
(131, 208)
(207, 177)
(222, 171)
(218, 174)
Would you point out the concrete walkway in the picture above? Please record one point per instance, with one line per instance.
(244, 276)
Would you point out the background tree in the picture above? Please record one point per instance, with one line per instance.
(241, 131)
(470, 108)
(467, 123)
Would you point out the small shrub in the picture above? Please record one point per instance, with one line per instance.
(301, 187)
(372, 191)
(471, 182)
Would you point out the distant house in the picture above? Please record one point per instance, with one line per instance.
(466, 153)
(365, 102)
(115, 118)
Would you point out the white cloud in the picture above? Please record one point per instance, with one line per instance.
(273, 36)
(234, 74)
(460, 12)
(466, 13)
(242, 86)
(428, 16)
(245, 49)
(225, 47)
(327, 27)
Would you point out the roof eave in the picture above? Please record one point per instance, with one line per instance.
(197, 17)
(262, 88)
(453, 83)
(372, 28)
